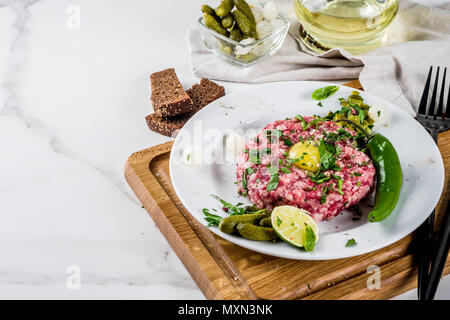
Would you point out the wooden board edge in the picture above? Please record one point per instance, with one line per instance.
(396, 278)
(211, 290)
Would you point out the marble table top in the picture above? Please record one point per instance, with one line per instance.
(74, 91)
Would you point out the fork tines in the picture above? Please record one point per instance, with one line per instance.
(432, 112)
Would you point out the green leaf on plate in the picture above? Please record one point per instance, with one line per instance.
(324, 92)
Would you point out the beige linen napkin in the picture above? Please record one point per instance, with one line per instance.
(418, 38)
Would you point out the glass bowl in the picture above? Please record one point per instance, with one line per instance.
(247, 54)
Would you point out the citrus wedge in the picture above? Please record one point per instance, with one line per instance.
(290, 224)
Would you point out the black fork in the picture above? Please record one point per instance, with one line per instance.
(435, 120)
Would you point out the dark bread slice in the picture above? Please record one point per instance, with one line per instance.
(201, 94)
(205, 92)
(168, 96)
(167, 126)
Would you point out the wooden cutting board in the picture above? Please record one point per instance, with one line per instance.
(223, 270)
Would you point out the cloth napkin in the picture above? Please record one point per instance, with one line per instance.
(418, 38)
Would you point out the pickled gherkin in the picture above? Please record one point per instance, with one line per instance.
(236, 34)
(266, 222)
(252, 232)
(213, 24)
(207, 9)
(228, 224)
(243, 7)
(227, 22)
(247, 27)
(224, 8)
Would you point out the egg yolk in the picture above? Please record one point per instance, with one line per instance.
(308, 155)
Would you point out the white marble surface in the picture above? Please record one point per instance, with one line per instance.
(72, 103)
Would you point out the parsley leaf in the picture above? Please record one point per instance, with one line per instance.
(212, 219)
(310, 239)
(279, 221)
(351, 242)
(285, 170)
(302, 120)
(274, 178)
(327, 158)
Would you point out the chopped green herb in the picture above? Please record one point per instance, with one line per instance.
(323, 198)
(310, 239)
(235, 209)
(320, 104)
(351, 242)
(285, 170)
(302, 120)
(287, 141)
(212, 219)
(250, 170)
(340, 187)
(279, 221)
(274, 178)
(244, 180)
(327, 158)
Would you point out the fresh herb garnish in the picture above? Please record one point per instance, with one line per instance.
(274, 178)
(323, 198)
(314, 122)
(244, 180)
(318, 177)
(351, 242)
(287, 141)
(327, 156)
(325, 92)
(232, 209)
(310, 239)
(320, 104)
(285, 170)
(237, 209)
(340, 187)
(302, 120)
(279, 221)
(212, 219)
(245, 174)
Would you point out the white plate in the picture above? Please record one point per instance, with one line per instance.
(423, 170)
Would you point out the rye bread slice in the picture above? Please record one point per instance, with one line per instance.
(168, 96)
(201, 94)
(205, 92)
(167, 126)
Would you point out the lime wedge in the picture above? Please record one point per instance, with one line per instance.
(290, 224)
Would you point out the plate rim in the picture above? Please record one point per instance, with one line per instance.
(338, 255)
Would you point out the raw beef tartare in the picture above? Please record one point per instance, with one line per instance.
(308, 162)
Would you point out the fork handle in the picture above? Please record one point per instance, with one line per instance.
(434, 135)
(439, 257)
(425, 242)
